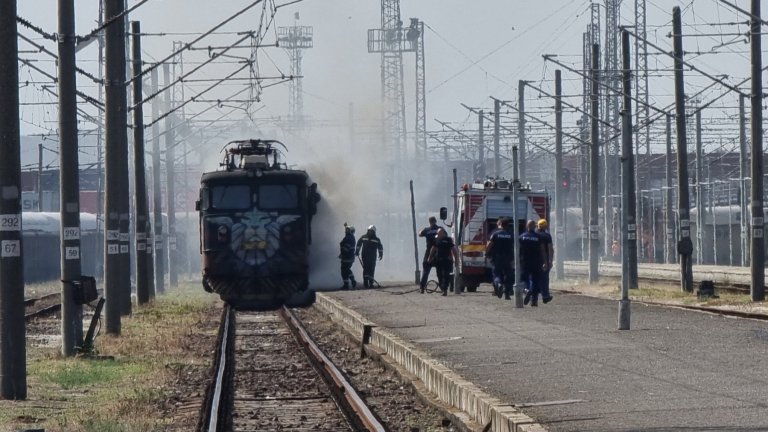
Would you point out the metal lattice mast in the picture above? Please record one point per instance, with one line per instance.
(295, 39)
(421, 93)
(643, 132)
(388, 40)
(612, 78)
(641, 79)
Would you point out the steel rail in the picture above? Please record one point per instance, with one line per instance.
(346, 394)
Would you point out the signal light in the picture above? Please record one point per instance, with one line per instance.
(565, 179)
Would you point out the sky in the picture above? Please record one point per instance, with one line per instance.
(473, 50)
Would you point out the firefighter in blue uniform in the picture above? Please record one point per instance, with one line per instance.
(430, 233)
(368, 246)
(443, 255)
(347, 257)
(532, 262)
(546, 242)
(500, 250)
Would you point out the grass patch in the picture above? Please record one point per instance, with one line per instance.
(163, 346)
(80, 373)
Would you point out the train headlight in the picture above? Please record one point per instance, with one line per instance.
(259, 173)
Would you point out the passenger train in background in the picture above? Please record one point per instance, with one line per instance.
(255, 228)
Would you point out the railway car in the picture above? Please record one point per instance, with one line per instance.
(255, 228)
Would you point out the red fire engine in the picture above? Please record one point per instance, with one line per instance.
(480, 205)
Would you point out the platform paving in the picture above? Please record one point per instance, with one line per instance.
(566, 367)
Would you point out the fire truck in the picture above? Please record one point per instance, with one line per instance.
(480, 205)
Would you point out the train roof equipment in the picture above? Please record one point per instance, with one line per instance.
(254, 154)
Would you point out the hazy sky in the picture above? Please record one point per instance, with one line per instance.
(473, 50)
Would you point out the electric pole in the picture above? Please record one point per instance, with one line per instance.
(559, 187)
(743, 170)
(69, 182)
(116, 279)
(157, 194)
(143, 277)
(521, 129)
(757, 250)
(496, 137)
(170, 143)
(594, 162)
(481, 144)
(629, 240)
(13, 352)
(684, 243)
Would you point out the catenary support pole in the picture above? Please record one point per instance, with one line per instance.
(170, 171)
(114, 273)
(69, 182)
(13, 354)
(496, 138)
(594, 233)
(700, 228)
(157, 194)
(757, 249)
(560, 191)
(481, 144)
(143, 278)
(520, 165)
(40, 177)
(519, 285)
(669, 244)
(628, 222)
(684, 243)
(743, 173)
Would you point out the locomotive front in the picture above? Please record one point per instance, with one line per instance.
(255, 223)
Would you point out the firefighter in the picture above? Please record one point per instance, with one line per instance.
(430, 234)
(546, 242)
(347, 257)
(443, 255)
(369, 245)
(500, 250)
(532, 262)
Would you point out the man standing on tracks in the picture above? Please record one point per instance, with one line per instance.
(430, 233)
(347, 256)
(546, 242)
(532, 262)
(500, 250)
(369, 246)
(443, 255)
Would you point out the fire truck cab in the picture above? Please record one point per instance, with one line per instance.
(480, 205)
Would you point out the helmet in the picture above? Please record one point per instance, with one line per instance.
(372, 228)
(542, 224)
(349, 228)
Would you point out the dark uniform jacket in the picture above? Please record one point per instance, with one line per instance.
(444, 250)
(430, 233)
(368, 245)
(347, 248)
(531, 252)
(502, 246)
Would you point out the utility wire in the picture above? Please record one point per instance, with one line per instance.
(194, 41)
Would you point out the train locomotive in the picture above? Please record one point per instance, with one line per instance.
(255, 228)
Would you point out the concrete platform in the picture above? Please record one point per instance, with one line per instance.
(564, 366)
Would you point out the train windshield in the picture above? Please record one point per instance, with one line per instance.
(231, 197)
(278, 197)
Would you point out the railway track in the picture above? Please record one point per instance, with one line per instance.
(733, 280)
(42, 306)
(270, 375)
